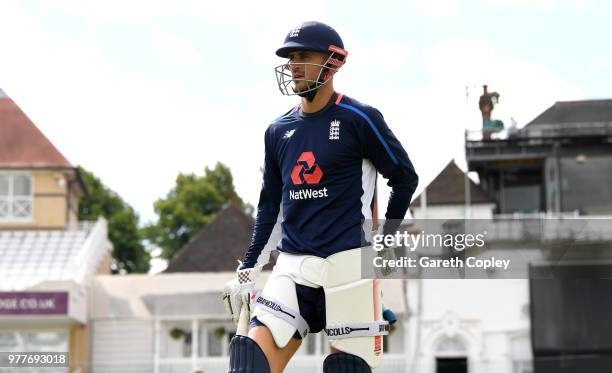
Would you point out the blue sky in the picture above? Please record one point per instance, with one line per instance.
(137, 91)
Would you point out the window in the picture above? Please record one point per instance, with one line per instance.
(585, 185)
(37, 340)
(311, 344)
(15, 196)
(34, 341)
(9, 341)
(522, 191)
(522, 366)
(215, 341)
(451, 365)
(214, 338)
(175, 339)
(45, 341)
(325, 350)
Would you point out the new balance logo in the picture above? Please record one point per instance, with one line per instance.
(288, 134)
(334, 130)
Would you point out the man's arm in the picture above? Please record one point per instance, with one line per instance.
(269, 203)
(391, 160)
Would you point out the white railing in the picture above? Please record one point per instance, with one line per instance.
(543, 227)
(545, 131)
(548, 227)
(478, 135)
(94, 248)
(16, 209)
(540, 215)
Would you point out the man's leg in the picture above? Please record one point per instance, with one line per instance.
(276, 323)
(353, 309)
(277, 357)
(354, 319)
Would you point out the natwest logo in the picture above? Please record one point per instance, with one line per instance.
(306, 171)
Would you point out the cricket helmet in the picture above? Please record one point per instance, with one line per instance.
(315, 37)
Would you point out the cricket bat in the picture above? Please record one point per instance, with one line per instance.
(243, 320)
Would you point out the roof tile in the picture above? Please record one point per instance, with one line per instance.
(449, 188)
(22, 144)
(218, 246)
(587, 111)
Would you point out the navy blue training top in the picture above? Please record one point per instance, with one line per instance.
(322, 168)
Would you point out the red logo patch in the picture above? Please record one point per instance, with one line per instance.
(377, 345)
(306, 171)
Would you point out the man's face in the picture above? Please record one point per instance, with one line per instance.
(301, 66)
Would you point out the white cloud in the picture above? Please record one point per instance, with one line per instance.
(132, 11)
(177, 49)
(576, 5)
(379, 53)
(430, 121)
(137, 132)
(436, 9)
(541, 4)
(445, 9)
(526, 88)
(603, 66)
(245, 15)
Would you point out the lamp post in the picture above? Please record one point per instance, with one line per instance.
(467, 210)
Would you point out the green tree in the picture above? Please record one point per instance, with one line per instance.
(129, 254)
(191, 204)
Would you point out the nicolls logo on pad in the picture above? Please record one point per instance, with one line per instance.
(306, 171)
